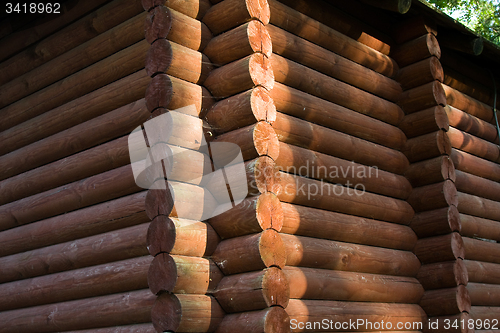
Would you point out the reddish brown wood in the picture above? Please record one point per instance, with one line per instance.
(353, 201)
(242, 110)
(434, 196)
(181, 237)
(254, 140)
(424, 122)
(471, 124)
(473, 226)
(317, 223)
(273, 319)
(100, 74)
(254, 70)
(174, 59)
(417, 49)
(308, 80)
(477, 206)
(232, 13)
(95, 250)
(484, 294)
(431, 171)
(332, 255)
(440, 248)
(482, 313)
(302, 311)
(398, 6)
(427, 146)
(436, 222)
(461, 42)
(311, 164)
(483, 272)
(250, 253)
(474, 145)
(109, 278)
(480, 250)
(76, 59)
(420, 73)
(308, 54)
(163, 22)
(186, 312)
(74, 315)
(239, 42)
(463, 102)
(253, 291)
(474, 165)
(478, 186)
(192, 8)
(252, 215)
(111, 215)
(447, 301)
(305, 27)
(314, 283)
(423, 97)
(412, 28)
(316, 110)
(139, 328)
(441, 275)
(182, 275)
(42, 49)
(307, 135)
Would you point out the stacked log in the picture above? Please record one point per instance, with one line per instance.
(434, 198)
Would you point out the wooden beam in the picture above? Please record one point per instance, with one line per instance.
(473, 226)
(423, 97)
(480, 250)
(475, 165)
(420, 73)
(427, 146)
(461, 42)
(482, 294)
(434, 196)
(447, 301)
(192, 8)
(483, 272)
(441, 275)
(471, 124)
(268, 320)
(398, 6)
(436, 222)
(440, 248)
(477, 206)
(431, 171)
(416, 50)
(474, 145)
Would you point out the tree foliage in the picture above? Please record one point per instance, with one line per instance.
(482, 16)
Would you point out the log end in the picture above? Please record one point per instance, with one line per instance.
(159, 57)
(439, 94)
(265, 175)
(265, 140)
(261, 71)
(460, 273)
(166, 313)
(443, 143)
(259, 9)
(150, 4)
(275, 288)
(259, 38)
(436, 69)
(450, 193)
(433, 45)
(161, 235)
(270, 212)
(159, 201)
(263, 106)
(158, 23)
(457, 246)
(272, 249)
(162, 274)
(159, 92)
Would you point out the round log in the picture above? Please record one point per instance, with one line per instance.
(254, 141)
(311, 164)
(307, 28)
(310, 81)
(181, 237)
(474, 165)
(138, 328)
(332, 255)
(483, 312)
(478, 186)
(471, 124)
(473, 226)
(74, 315)
(159, 202)
(113, 246)
(317, 223)
(480, 250)
(436, 222)
(167, 57)
(447, 301)
(398, 6)
(314, 283)
(192, 8)
(295, 103)
(412, 28)
(483, 272)
(352, 201)
(441, 322)
(163, 22)
(273, 319)
(473, 107)
(248, 38)
(250, 253)
(253, 291)
(440, 248)
(185, 313)
(420, 73)
(416, 50)
(109, 278)
(441, 275)
(159, 92)
(474, 145)
(425, 121)
(423, 97)
(431, 171)
(477, 206)
(182, 275)
(242, 110)
(461, 42)
(251, 71)
(253, 215)
(427, 146)
(435, 196)
(307, 135)
(232, 13)
(313, 56)
(484, 294)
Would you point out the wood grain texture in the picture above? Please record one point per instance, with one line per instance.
(423, 97)
(425, 122)
(420, 73)
(431, 171)
(273, 319)
(441, 275)
(427, 146)
(440, 221)
(446, 301)
(416, 50)
(440, 248)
